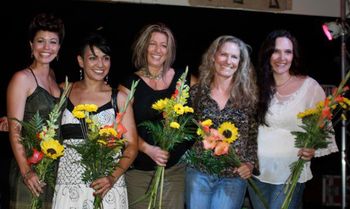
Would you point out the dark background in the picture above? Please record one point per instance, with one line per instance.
(194, 29)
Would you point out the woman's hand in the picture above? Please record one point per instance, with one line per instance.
(245, 170)
(4, 124)
(103, 185)
(158, 155)
(306, 153)
(33, 183)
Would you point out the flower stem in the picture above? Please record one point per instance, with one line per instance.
(292, 182)
(258, 192)
(98, 202)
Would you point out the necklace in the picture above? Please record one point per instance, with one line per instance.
(284, 83)
(145, 72)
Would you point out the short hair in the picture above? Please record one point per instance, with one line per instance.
(46, 22)
(140, 46)
(94, 39)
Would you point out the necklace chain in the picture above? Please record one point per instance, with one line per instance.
(145, 72)
(284, 83)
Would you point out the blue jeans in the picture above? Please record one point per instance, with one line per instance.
(274, 195)
(204, 191)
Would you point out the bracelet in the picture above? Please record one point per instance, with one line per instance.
(113, 178)
(25, 176)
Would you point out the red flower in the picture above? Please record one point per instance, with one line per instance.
(119, 117)
(120, 130)
(36, 157)
(175, 93)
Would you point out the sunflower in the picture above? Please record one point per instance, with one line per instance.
(52, 148)
(229, 131)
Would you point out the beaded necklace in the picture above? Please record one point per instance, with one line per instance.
(145, 72)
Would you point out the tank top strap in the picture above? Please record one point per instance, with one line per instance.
(114, 100)
(31, 70)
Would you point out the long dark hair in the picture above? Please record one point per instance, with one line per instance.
(265, 79)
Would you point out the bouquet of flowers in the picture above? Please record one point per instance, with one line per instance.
(317, 128)
(103, 145)
(173, 129)
(41, 147)
(219, 154)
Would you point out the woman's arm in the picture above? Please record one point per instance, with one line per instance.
(19, 88)
(103, 185)
(156, 153)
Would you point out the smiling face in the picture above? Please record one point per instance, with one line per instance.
(157, 50)
(282, 57)
(96, 64)
(45, 46)
(226, 60)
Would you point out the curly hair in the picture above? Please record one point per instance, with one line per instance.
(244, 89)
(140, 46)
(46, 22)
(266, 80)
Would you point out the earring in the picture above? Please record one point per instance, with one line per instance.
(57, 58)
(31, 55)
(81, 74)
(106, 79)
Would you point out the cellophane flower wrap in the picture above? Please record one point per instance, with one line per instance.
(316, 129)
(219, 153)
(41, 144)
(103, 145)
(174, 128)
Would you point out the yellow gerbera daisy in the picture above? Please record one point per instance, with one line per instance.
(179, 109)
(78, 114)
(229, 131)
(188, 109)
(52, 148)
(175, 125)
(91, 107)
(108, 132)
(160, 104)
(207, 122)
(307, 113)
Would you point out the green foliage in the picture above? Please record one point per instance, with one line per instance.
(97, 159)
(30, 129)
(166, 137)
(313, 136)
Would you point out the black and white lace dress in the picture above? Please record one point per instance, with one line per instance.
(70, 191)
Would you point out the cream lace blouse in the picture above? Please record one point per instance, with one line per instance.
(276, 149)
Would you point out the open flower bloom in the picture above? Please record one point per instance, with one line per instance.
(52, 148)
(35, 158)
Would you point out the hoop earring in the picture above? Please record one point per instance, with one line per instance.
(106, 79)
(81, 74)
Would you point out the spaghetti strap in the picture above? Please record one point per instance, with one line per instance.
(114, 100)
(31, 70)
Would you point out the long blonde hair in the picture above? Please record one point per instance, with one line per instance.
(244, 89)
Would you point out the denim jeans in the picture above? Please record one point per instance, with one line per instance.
(274, 195)
(204, 191)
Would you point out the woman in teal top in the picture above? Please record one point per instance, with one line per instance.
(33, 89)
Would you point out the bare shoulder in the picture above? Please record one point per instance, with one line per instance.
(122, 95)
(23, 78)
(123, 89)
